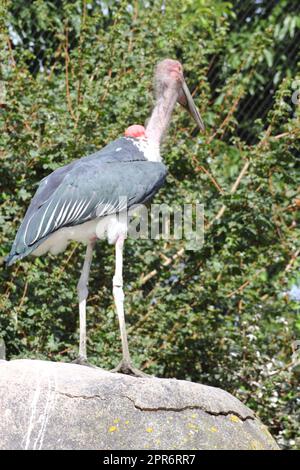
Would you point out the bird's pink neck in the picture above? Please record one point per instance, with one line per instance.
(160, 117)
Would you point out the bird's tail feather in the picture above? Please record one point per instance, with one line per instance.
(18, 251)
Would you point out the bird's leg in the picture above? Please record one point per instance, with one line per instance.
(125, 365)
(82, 290)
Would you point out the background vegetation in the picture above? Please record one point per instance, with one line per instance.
(74, 75)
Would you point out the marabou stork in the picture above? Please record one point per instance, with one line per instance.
(80, 201)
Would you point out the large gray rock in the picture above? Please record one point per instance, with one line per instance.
(47, 405)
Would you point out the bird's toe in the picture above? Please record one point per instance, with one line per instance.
(83, 362)
(128, 369)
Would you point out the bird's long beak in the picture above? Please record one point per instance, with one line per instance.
(186, 100)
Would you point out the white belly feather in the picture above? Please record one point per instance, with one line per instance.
(109, 227)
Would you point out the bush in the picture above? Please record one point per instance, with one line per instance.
(74, 75)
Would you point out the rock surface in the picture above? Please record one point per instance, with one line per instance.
(47, 405)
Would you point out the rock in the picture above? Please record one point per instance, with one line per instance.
(47, 405)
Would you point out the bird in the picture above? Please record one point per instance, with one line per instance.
(82, 200)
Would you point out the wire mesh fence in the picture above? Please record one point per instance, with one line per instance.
(41, 41)
(283, 55)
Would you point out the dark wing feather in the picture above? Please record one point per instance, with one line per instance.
(90, 188)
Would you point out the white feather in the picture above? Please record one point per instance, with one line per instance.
(78, 209)
(149, 150)
(65, 214)
(49, 222)
(41, 224)
(57, 222)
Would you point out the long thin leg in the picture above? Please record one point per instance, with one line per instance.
(119, 297)
(125, 365)
(82, 290)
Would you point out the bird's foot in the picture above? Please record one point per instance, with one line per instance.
(81, 360)
(125, 367)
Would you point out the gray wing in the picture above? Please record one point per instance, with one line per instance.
(88, 189)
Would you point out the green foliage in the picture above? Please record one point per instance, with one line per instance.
(74, 75)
